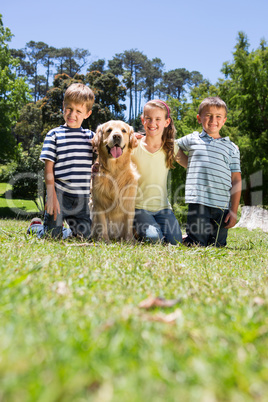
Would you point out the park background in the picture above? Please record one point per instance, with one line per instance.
(128, 54)
(74, 326)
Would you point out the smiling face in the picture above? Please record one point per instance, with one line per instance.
(154, 121)
(74, 114)
(212, 119)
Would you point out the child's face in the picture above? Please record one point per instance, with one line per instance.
(74, 114)
(212, 119)
(154, 121)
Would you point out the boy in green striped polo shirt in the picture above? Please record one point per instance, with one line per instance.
(213, 181)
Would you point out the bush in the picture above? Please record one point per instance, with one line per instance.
(27, 176)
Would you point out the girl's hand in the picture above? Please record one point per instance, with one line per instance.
(138, 135)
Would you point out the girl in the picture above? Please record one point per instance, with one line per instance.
(154, 156)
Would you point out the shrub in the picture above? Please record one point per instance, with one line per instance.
(26, 177)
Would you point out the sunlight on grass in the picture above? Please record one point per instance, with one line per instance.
(15, 206)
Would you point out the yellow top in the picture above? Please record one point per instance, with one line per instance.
(152, 185)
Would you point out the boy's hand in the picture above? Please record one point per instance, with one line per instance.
(231, 217)
(52, 206)
(95, 169)
(230, 220)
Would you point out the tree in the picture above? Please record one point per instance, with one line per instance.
(14, 93)
(24, 68)
(109, 93)
(153, 72)
(35, 52)
(129, 65)
(29, 126)
(71, 61)
(174, 82)
(196, 78)
(116, 65)
(133, 62)
(97, 66)
(48, 61)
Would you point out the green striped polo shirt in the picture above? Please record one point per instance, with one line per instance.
(210, 165)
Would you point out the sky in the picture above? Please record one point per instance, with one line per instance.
(192, 34)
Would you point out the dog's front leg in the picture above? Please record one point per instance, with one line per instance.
(128, 229)
(102, 227)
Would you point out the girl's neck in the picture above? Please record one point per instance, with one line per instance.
(152, 144)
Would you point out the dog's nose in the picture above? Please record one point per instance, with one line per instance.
(117, 138)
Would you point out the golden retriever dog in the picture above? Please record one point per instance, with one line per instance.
(114, 187)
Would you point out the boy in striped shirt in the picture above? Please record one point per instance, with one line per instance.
(67, 154)
(213, 182)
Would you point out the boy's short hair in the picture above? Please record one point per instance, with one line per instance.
(79, 94)
(212, 101)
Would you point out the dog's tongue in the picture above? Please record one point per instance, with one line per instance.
(116, 152)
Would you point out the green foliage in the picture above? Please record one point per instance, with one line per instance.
(109, 94)
(153, 72)
(245, 91)
(29, 126)
(72, 330)
(98, 65)
(14, 93)
(27, 176)
(174, 82)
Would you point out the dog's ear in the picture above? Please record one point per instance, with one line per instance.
(133, 142)
(97, 139)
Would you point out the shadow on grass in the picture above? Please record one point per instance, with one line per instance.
(7, 213)
(19, 213)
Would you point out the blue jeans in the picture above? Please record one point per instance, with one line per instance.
(205, 226)
(158, 226)
(75, 211)
(39, 231)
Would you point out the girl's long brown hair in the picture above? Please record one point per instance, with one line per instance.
(169, 133)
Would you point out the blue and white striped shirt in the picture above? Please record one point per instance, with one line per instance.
(210, 165)
(71, 151)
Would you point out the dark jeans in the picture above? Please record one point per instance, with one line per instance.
(205, 226)
(158, 226)
(75, 211)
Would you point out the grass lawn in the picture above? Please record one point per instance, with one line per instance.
(15, 207)
(72, 329)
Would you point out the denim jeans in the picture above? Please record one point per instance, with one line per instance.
(39, 231)
(158, 226)
(205, 225)
(75, 211)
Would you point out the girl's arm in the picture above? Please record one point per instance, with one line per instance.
(52, 205)
(181, 158)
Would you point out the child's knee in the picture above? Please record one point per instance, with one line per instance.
(153, 234)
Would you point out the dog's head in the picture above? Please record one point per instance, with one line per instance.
(114, 138)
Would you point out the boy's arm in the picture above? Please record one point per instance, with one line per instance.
(52, 205)
(231, 217)
(181, 158)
